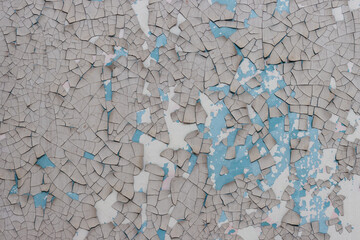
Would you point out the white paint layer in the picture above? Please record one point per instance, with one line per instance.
(141, 181)
(332, 83)
(80, 234)
(176, 30)
(354, 120)
(354, 4)
(350, 189)
(141, 10)
(104, 211)
(250, 233)
(338, 14)
(177, 130)
(145, 90)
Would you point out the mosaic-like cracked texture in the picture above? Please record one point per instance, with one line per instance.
(169, 119)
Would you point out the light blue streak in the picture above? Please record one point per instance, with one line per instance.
(73, 195)
(88, 155)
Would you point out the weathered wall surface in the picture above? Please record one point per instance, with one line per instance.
(166, 119)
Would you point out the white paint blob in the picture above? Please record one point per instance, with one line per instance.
(177, 130)
(104, 211)
(354, 121)
(141, 10)
(80, 234)
(354, 4)
(145, 90)
(176, 30)
(332, 83)
(337, 12)
(351, 189)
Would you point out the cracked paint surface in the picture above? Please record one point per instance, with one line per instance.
(141, 119)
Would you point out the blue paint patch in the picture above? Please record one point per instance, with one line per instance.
(192, 162)
(251, 70)
(238, 51)
(253, 14)
(161, 41)
(304, 167)
(14, 189)
(143, 226)
(231, 138)
(262, 147)
(293, 93)
(217, 159)
(257, 120)
(88, 155)
(163, 96)
(241, 164)
(271, 83)
(139, 115)
(223, 217)
(137, 135)
(166, 170)
(317, 204)
(155, 54)
(277, 131)
(274, 101)
(73, 195)
(141, 230)
(282, 6)
(108, 90)
(270, 74)
(230, 4)
(201, 127)
(221, 31)
(40, 199)
(241, 159)
(45, 162)
(221, 87)
(246, 24)
(264, 224)
(231, 231)
(161, 234)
